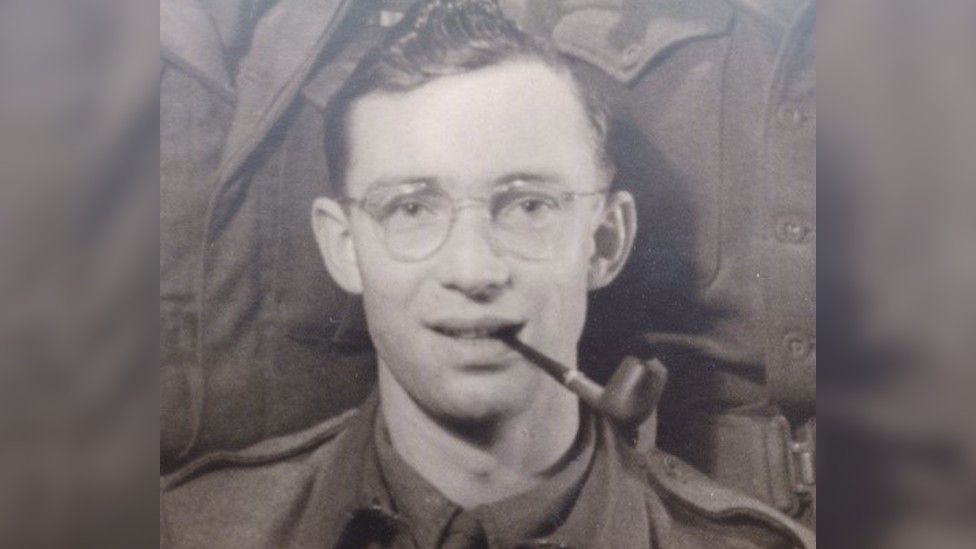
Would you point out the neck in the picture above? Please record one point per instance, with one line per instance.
(482, 462)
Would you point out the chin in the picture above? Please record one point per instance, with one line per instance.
(481, 401)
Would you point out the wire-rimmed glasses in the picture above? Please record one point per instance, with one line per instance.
(527, 218)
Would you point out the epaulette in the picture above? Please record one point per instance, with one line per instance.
(266, 451)
(711, 499)
(624, 38)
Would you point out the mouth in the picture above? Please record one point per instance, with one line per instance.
(479, 329)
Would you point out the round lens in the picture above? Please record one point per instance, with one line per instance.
(527, 221)
(414, 224)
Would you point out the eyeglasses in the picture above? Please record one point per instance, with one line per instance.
(528, 219)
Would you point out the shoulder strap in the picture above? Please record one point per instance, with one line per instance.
(696, 490)
(623, 37)
(272, 449)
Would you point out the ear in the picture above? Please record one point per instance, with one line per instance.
(613, 239)
(331, 227)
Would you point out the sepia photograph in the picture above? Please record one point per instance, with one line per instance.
(487, 274)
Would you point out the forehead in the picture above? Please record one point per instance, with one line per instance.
(473, 129)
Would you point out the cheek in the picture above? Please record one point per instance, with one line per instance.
(388, 299)
(563, 283)
(562, 293)
(388, 286)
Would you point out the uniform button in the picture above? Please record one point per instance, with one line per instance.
(791, 230)
(670, 467)
(389, 18)
(631, 56)
(789, 116)
(798, 345)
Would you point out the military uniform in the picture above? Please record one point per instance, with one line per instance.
(251, 335)
(716, 106)
(340, 484)
(715, 135)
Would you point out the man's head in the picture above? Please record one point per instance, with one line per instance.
(474, 172)
(442, 38)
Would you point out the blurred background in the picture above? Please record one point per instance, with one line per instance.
(78, 248)
(896, 273)
(79, 360)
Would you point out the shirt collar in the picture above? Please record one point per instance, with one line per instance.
(348, 504)
(607, 505)
(426, 511)
(613, 506)
(544, 508)
(506, 523)
(371, 513)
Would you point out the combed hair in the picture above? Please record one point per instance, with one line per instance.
(440, 38)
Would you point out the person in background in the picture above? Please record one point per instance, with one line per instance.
(474, 213)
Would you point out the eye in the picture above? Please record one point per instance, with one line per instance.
(532, 205)
(527, 211)
(409, 208)
(408, 212)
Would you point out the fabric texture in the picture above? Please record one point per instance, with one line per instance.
(326, 489)
(716, 124)
(241, 280)
(430, 517)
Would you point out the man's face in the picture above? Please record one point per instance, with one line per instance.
(432, 320)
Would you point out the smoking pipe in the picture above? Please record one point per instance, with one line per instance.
(630, 395)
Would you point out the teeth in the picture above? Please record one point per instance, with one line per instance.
(470, 334)
(487, 332)
(477, 333)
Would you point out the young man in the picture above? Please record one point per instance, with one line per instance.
(475, 212)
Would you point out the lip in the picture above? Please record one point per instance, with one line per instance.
(477, 328)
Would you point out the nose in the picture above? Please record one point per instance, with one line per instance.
(469, 261)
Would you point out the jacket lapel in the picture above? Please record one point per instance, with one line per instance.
(188, 39)
(285, 46)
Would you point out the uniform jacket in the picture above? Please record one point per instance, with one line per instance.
(321, 488)
(717, 100)
(248, 314)
(715, 135)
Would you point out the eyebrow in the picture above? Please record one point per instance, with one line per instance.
(531, 177)
(391, 182)
(434, 181)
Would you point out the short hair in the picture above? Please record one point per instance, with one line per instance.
(439, 38)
